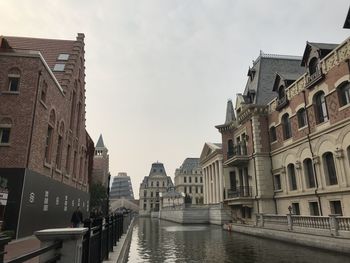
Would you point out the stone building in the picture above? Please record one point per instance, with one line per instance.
(189, 180)
(211, 165)
(152, 185)
(245, 144)
(44, 146)
(289, 147)
(121, 187)
(100, 171)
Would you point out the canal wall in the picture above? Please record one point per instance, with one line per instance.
(338, 244)
(196, 214)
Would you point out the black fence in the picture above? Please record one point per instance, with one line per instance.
(102, 235)
(240, 191)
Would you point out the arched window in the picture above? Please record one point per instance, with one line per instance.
(309, 173)
(348, 151)
(49, 136)
(287, 129)
(273, 136)
(157, 183)
(14, 76)
(292, 177)
(329, 168)
(281, 92)
(59, 146)
(313, 66)
(301, 114)
(344, 93)
(151, 184)
(43, 94)
(320, 107)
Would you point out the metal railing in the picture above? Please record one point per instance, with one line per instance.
(241, 191)
(237, 150)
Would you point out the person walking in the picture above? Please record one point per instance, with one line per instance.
(77, 217)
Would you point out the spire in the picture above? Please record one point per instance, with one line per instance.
(100, 143)
(230, 113)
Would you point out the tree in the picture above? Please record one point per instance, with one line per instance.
(98, 197)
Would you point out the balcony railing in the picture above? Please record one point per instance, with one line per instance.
(314, 78)
(237, 150)
(241, 191)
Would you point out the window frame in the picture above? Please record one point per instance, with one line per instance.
(309, 178)
(330, 169)
(320, 107)
(302, 119)
(293, 184)
(286, 126)
(344, 93)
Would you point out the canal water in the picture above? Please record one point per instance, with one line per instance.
(160, 241)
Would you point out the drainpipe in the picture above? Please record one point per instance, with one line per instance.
(312, 153)
(273, 181)
(33, 117)
(256, 181)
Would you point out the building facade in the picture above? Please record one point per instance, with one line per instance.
(288, 148)
(121, 187)
(152, 185)
(44, 146)
(189, 180)
(100, 171)
(211, 165)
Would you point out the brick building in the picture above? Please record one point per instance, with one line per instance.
(44, 147)
(289, 146)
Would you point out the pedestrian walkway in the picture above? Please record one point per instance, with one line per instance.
(22, 246)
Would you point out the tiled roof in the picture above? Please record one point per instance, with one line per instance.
(49, 49)
(190, 164)
(100, 143)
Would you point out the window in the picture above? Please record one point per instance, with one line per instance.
(59, 67)
(309, 173)
(151, 194)
(48, 144)
(281, 92)
(273, 136)
(190, 179)
(43, 92)
(157, 184)
(329, 167)
(344, 93)
(348, 151)
(190, 189)
(292, 177)
(151, 184)
(230, 148)
(75, 164)
(197, 190)
(336, 208)
(314, 211)
(201, 178)
(68, 159)
(145, 193)
(63, 57)
(233, 182)
(78, 118)
(4, 135)
(14, 79)
(74, 95)
(196, 180)
(278, 185)
(59, 152)
(320, 107)
(144, 206)
(287, 129)
(313, 66)
(301, 117)
(157, 194)
(295, 208)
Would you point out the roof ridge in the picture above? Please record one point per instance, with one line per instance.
(40, 38)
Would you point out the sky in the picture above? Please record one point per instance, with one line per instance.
(159, 72)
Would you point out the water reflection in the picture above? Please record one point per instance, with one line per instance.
(156, 240)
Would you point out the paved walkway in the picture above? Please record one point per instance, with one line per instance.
(22, 246)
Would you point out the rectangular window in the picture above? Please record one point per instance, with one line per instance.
(75, 164)
(48, 144)
(295, 208)
(13, 84)
(196, 180)
(314, 211)
(336, 208)
(151, 194)
(144, 206)
(273, 135)
(43, 92)
(59, 67)
(278, 182)
(190, 189)
(185, 179)
(144, 193)
(201, 179)
(233, 182)
(63, 57)
(190, 179)
(5, 135)
(196, 189)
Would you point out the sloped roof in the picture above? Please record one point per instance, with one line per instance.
(265, 68)
(100, 143)
(210, 149)
(190, 164)
(288, 77)
(157, 169)
(324, 49)
(49, 49)
(347, 20)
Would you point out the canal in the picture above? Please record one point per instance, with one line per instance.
(159, 241)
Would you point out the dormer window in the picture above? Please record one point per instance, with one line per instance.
(281, 92)
(313, 66)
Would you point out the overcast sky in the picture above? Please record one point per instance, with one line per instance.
(159, 72)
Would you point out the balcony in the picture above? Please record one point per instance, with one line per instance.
(282, 102)
(311, 80)
(237, 155)
(242, 195)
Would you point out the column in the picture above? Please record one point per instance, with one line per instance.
(221, 188)
(204, 186)
(217, 184)
(210, 185)
(214, 182)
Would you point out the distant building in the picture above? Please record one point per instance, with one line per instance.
(121, 187)
(212, 167)
(44, 147)
(171, 198)
(100, 171)
(189, 180)
(152, 185)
